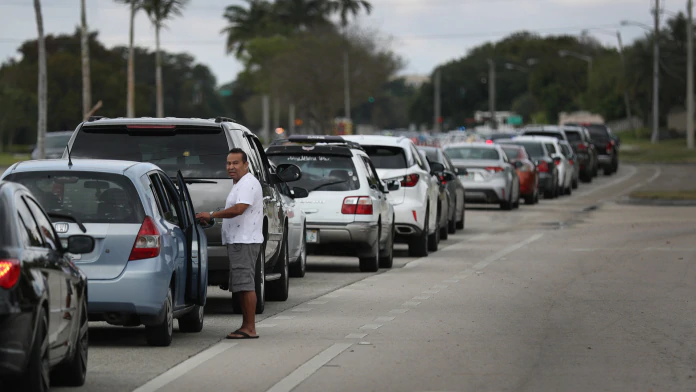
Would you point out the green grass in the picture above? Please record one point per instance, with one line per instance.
(639, 149)
(7, 159)
(665, 195)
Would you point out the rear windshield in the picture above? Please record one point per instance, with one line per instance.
(384, 157)
(557, 135)
(198, 153)
(534, 149)
(57, 141)
(322, 172)
(88, 196)
(431, 154)
(598, 131)
(473, 153)
(511, 152)
(566, 150)
(573, 136)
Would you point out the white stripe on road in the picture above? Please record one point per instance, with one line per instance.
(477, 237)
(611, 183)
(630, 189)
(496, 256)
(308, 368)
(184, 367)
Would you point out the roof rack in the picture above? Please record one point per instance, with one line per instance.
(224, 119)
(96, 118)
(314, 139)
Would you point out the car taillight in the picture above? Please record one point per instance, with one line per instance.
(571, 161)
(489, 141)
(557, 160)
(494, 169)
(147, 243)
(582, 146)
(409, 180)
(9, 273)
(543, 166)
(357, 205)
(610, 146)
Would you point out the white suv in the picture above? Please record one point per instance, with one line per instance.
(347, 206)
(416, 201)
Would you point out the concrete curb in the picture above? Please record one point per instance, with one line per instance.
(658, 202)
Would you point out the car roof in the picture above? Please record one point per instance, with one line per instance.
(536, 138)
(378, 140)
(155, 121)
(93, 165)
(59, 133)
(472, 144)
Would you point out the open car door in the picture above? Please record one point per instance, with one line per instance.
(196, 282)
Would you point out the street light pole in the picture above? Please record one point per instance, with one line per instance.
(689, 75)
(656, 75)
(491, 93)
(436, 102)
(583, 57)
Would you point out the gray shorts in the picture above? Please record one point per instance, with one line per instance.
(242, 266)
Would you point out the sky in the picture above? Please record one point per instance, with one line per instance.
(425, 33)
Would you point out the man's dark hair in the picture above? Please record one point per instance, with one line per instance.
(239, 151)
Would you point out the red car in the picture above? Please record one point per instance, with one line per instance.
(528, 172)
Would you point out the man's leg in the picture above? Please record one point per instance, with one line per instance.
(248, 302)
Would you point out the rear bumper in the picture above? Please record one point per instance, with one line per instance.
(15, 341)
(359, 237)
(491, 192)
(137, 296)
(409, 217)
(605, 160)
(546, 182)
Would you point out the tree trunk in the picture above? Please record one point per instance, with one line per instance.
(158, 73)
(130, 98)
(86, 78)
(41, 125)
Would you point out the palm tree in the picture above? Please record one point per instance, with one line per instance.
(86, 77)
(159, 11)
(247, 24)
(41, 128)
(302, 14)
(134, 5)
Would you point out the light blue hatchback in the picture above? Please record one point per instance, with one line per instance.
(150, 262)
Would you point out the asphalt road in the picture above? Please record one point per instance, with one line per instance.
(575, 294)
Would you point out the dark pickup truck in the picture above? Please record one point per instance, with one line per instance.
(607, 145)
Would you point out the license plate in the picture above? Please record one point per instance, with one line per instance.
(312, 236)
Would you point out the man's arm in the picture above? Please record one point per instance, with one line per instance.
(235, 210)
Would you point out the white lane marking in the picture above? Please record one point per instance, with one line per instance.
(384, 319)
(300, 309)
(317, 302)
(184, 367)
(398, 311)
(371, 326)
(308, 368)
(355, 335)
(440, 286)
(265, 325)
(284, 317)
(430, 291)
(630, 189)
(450, 281)
(364, 343)
(483, 263)
(411, 303)
(478, 237)
(633, 171)
(670, 249)
(421, 297)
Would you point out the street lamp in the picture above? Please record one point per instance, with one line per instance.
(656, 73)
(517, 67)
(588, 59)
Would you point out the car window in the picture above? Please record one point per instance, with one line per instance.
(57, 141)
(45, 226)
(91, 197)
(198, 152)
(174, 216)
(573, 136)
(322, 172)
(598, 131)
(567, 151)
(511, 152)
(534, 149)
(550, 148)
(29, 230)
(387, 157)
(371, 176)
(420, 161)
(475, 153)
(256, 157)
(431, 154)
(557, 135)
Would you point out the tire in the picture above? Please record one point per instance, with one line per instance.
(452, 224)
(278, 290)
(386, 259)
(371, 263)
(161, 334)
(460, 224)
(434, 239)
(575, 184)
(608, 171)
(444, 231)
(73, 373)
(507, 204)
(192, 322)
(569, 191)
(418, 246)
(37, 375)
(298, 269)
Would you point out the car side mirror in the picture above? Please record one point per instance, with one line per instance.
(393, 185)
(518, 164)
(78, 244)
(436, 167)
(287, 172)
(448, 176)
(298, 193)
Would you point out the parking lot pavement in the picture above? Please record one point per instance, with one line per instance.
(577, 293)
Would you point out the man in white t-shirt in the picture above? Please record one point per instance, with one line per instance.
(242, 232)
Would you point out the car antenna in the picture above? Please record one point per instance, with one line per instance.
(69, 158)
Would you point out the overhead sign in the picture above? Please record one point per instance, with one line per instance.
(514, 120)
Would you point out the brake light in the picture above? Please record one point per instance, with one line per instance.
(410, 180)
(9, 273)
(610, 146)
(557, 160)
(149, 126)
(357, 205)
(582, 146)
(489, 141)
(147, 243)
(543, 167)
(571, 161)
(494, 169)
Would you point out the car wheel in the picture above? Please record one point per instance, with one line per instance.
(444, 231)
(279, 289)
(371, 263)
(386, 259)
(575, 183)
(161, 334)
(507, 204)
(460, 224)
(418, 246)
(434, 239)
(193, 320)
(37, 376)
(452, 224)
(74, 372)
(298, 269)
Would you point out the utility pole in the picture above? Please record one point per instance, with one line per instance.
(491, 93)
(265, 132)
(627, 102)
(291, 120)
(346, 85)
(689, 75)
(436, 101)
(656, 75)
(276, 113)
(86, 79)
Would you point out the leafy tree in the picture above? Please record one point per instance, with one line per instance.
(347, 8)
(248, 24)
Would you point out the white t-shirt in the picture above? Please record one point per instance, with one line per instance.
(248, 227)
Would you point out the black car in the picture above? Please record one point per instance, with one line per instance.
(456, 191)
(43, 298)
(607, 145)
(581, 142)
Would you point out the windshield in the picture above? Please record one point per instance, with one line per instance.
(534, 149)
(598, 131)
(90, 197)
(322, 172)
(573, 136)
(557, 135)
(476, 153)
(511, 152)
(57, 141)
(198, 153)
(384, 157)
(431, 154)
